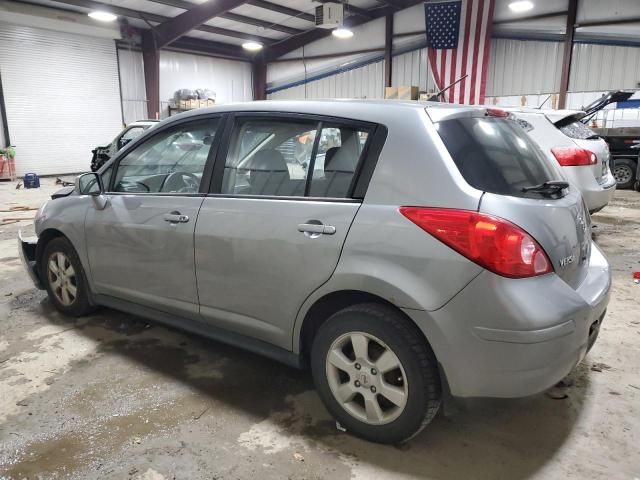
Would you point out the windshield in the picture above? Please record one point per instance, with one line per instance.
(495, 155)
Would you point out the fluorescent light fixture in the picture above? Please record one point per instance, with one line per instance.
(252, 46)
(342, 33)
(102, 16)
(521, 6)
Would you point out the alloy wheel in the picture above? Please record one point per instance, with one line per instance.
(62, 278)
(367, 378)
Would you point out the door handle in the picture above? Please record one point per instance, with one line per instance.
(315, 229)
(175, 217)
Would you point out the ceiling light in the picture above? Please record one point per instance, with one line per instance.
(252, 46)
(103, 16)
(342, 33)
(521, 6)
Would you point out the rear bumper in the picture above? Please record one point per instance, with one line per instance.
(596, 195)
(514, 338)
(27, 249)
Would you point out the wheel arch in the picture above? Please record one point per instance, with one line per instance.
(43, 239)
(330, 303)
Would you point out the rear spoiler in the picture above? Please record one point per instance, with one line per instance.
(570, 119)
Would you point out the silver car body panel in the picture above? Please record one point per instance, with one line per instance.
(254, 267)
(241, 269)
(137, 255)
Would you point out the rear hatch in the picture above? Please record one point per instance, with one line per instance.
(495, 155)
(606, 99)
(584, 137)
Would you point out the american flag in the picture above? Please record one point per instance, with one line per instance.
(458, 42)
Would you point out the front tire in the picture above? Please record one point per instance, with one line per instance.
(64, 278)
(375, 373)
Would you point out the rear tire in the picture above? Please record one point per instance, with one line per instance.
(385, 387)
(64, 278)
(624, 171)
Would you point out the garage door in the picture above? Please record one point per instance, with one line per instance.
(61, 95)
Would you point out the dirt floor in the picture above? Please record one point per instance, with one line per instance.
(111, 396)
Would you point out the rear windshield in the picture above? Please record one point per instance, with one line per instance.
(578, 130)
(495, 155)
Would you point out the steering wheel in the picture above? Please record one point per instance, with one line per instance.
(190, 183)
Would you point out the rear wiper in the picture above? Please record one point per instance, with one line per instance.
(547, 187)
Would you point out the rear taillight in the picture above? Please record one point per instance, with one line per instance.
(491, 242)
(574, 157)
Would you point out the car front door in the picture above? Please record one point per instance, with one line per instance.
(271, 233)
(140, 244)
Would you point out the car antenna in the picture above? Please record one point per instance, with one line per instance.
(440, 94)
(545, 101)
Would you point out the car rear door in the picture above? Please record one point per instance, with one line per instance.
(140, 244)
(269, 234)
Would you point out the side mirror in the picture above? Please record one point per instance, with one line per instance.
(89, 184)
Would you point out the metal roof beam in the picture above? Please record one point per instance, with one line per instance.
(152, 17)
(184, 5)
(176, 27)
(274, 7)
(350, 9)
(288, 45)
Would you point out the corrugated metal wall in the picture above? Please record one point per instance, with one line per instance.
(231, 80)
(516, 67)
(412, 68)
(603, 67)
(523, 66)
(364, 82)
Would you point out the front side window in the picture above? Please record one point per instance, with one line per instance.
(292, 158)
(169, 162)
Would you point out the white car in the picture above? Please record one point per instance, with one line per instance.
(576, 151)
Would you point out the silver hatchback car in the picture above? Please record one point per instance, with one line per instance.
(404, 251)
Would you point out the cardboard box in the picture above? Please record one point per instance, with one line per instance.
(210, 102)
(408, 93)
(184, 104)
(391, 93)
(194, 104)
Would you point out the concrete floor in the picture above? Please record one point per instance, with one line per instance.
(110, 396)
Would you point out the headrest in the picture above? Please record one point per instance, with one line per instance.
(338, 159)
(269, 160)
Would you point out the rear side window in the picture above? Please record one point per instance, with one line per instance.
(495, 155)
(579, 131)
(293, 158)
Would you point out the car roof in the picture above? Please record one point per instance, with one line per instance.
(357, 109)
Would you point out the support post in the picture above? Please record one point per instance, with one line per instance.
(151, 61)
(259, 72)
(388, 48)
(568, 52)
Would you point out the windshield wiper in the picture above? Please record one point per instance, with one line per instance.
(553, 186)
